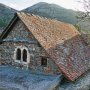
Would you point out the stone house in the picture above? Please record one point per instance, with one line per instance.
(44, 45)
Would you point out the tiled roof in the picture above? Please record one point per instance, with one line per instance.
(48, 32)
(62, 42)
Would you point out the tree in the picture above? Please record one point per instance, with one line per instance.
(78, 27)
(86, 14)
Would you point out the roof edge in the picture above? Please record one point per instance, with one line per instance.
(9, 26)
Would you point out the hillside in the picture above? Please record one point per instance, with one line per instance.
(43, 9)
(6, 13)
(53, 11)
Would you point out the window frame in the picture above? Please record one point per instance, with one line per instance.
(21, 61)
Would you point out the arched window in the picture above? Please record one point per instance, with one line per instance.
(21, 55)
(18, 54)
(24, 55)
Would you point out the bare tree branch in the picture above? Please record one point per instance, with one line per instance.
(86, 14)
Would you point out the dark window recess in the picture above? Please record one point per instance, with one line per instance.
(18, 57)
(43, 61)
(24, 55)
(39, 45)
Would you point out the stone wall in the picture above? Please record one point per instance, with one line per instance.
(21, 37)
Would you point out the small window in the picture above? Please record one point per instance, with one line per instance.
(24, 55)
(39, 45)
(44, 61)
(18, 53)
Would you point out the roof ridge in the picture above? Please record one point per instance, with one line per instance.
(41, 17)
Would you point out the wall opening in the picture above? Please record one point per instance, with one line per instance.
(21, 55)
(44, 61)
(18, 54)
(24, 55)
